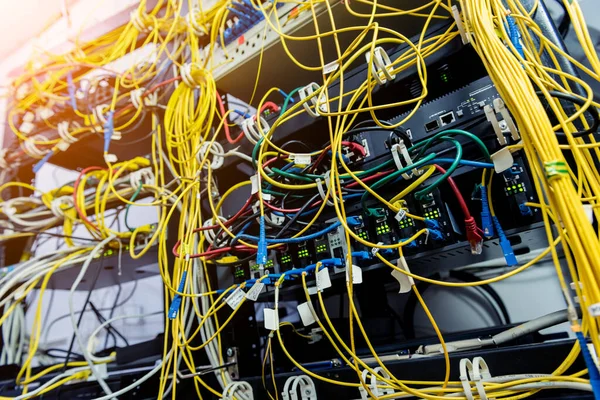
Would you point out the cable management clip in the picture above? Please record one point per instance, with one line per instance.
(143, 176)
(321, 190)
(217, 151)
(319, 102)
(476, 371)
(252, 131)
(381, 68)
(400, 149)
(308, 391)
(240, 390)
(374, 383)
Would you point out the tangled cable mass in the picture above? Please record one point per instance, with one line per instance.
(237, 187)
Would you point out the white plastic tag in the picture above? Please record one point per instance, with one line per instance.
(277, 219)
(594, 310)
(307, 313)
(356, 275)
(406, 282)
(266, 197)
(303, 159)
(589, 212)
(255, 291)
(331, 67)
(323, 279)
(401, 215)
(271, 319)
(235, 298)
(502, 160)
(312, 290)
(254, 181)
(375, 250)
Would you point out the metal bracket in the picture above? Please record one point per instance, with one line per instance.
(232, 362)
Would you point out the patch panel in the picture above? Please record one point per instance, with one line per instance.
(247, 42)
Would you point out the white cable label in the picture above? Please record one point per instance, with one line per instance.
(356, 275)
(254, 182)
(406, 282)
(375, 250)
(271, 319)
(235, 298)
(502, 159)
(401, 215)
(589, 212)
(323, 279)
(255, 291)
(303, 159)
(331, 67)
(307, 313)
(594, 310)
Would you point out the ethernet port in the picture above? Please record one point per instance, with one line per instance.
(431, 126)
(447, 118)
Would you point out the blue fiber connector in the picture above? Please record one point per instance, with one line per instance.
(261, 253)
(507, 250)
(109, 129)
(525, 210)
(432, 223)
(486, 217)
(436, 235)
(591, 365)
(515, 35)
(176, 303)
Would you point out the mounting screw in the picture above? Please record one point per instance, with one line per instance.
(230, 352)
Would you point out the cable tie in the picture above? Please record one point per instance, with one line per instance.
(239, 390)
(556, 169)
(400, 149)
(317, 101)
(251, 130)
(466, 376)
(217, 151)
(198, 29)
(187, 75)
(481, 372)
(321, 190)
(461, 28)
(139, 20)
(302, 384)
(381, 68)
